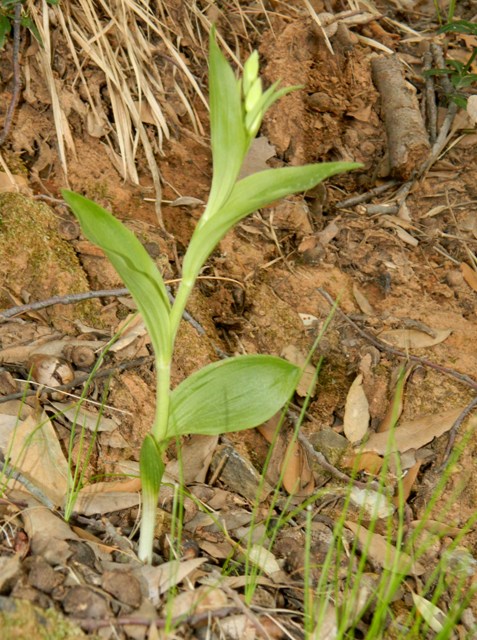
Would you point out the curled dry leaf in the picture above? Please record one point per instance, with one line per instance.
(412, 434)
(381, 552)
(356, 415)
(413, 339)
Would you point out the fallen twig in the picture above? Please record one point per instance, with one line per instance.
(73, 298)
(104, 373)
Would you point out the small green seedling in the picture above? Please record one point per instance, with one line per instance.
(459, 73)
(240, 392)
(7, 17)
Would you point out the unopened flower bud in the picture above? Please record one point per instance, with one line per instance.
(250, 71)
(253, 96)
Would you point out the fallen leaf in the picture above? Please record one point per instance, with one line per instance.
(193, 465)
(356, 413)
(434, 616)
(37, 453)
(414, 339)
(256, 159)
(374, 504)
(186, 201)
(412, 434)
(380, 551)
(83, 418)
(296, 472)
(395, 407)
(362, 301)
(161, 578)
(439, 528)
(470, 276)
(264, 559)
(363, 461)
(407, 484)
(294, 355)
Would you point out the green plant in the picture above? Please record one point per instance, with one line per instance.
(7, 18)
(240, 392)
(459, 73)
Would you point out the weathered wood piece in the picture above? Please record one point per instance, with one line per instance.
(408, 143)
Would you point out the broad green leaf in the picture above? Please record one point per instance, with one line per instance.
(231, 395)
(228, 137)
(250, 194)
(133, 264)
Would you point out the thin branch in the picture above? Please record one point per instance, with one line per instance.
(382, 346)
(73, 298)
(104, 373)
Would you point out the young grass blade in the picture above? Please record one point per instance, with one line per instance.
(133, 264)
(231, 395)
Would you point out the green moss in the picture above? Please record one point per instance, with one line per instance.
(36, 260)
(20, 620)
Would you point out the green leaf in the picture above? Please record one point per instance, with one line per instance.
(5, 28)
(231, 395)
(228, 137)
(133, 264)
(151, 465)
(459, 26)
(248, 195)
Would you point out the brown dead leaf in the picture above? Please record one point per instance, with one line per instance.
(407, 484)
(368, 462)
(256, 159)
(196, 454)
(412, 434)
(295, 356)
(395, 407)
(381, 552)
(362, 301)
(414, 339)
(296, 472)
(470, 276)
(356, 414)
(161, 578)
(37, 453)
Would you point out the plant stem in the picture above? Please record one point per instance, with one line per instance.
(163, 390)
(148, 525)
(180, 302)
